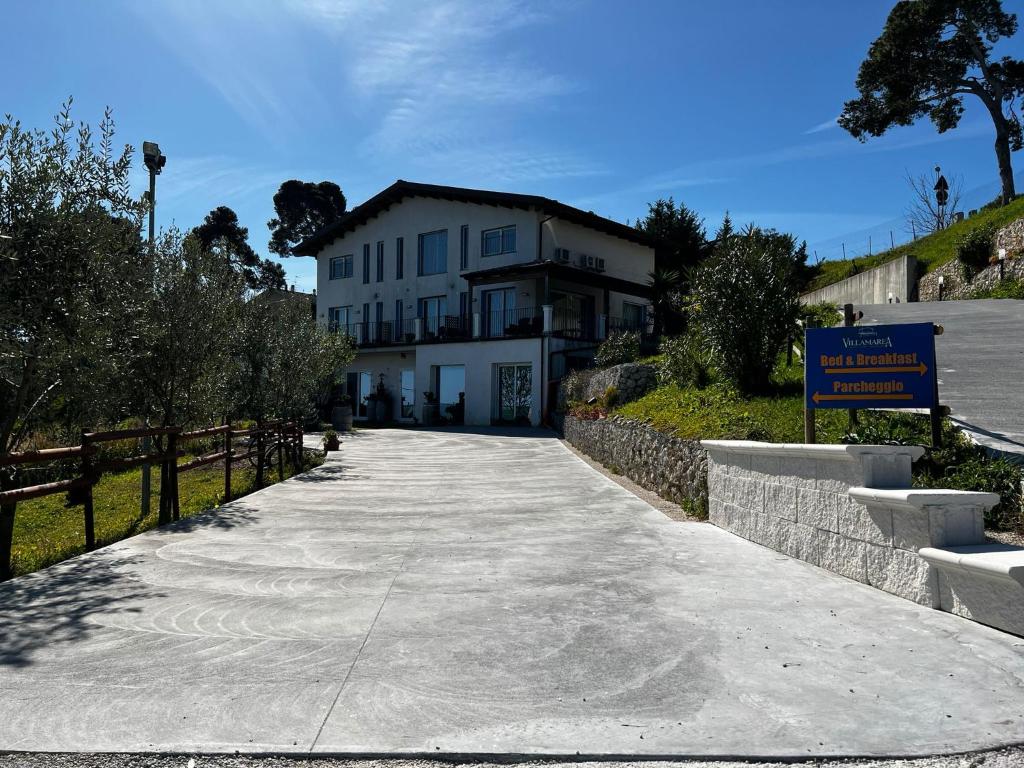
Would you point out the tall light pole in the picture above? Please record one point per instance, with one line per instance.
(155, 162)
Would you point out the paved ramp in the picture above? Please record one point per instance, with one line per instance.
(981, 363)
(453, 593)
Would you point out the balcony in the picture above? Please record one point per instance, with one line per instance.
(519, 323)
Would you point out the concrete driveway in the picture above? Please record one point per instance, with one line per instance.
(449, 593)
(980, 360)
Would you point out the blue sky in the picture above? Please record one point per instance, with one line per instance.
(606, 106)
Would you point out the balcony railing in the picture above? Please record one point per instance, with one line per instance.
(573, 324)
(447, 328)
(628, 325)
(505, 323)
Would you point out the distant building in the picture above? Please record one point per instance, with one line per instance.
(278, 295)
(478, 298)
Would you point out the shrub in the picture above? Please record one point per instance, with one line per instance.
(685, 361)
(619, 347)
(974, 247)
(746, 304)
(611, 397)
(821, 315)
(573, 385)
(1007, 289)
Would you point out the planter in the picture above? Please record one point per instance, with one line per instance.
(382, 408)
(431, 414)
(341, 418)
(332, 443)
(371, 411)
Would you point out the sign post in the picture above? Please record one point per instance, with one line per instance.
(871, 366)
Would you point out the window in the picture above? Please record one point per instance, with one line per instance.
(366, 263)
(366, 319)
(433, 253)
(398, 319)
(463, 303)
(464, 247)
(338, 318)
(634, 316)
(400, 258)
(499, 241)
(341, 266)
(408, 384)
(380, 261)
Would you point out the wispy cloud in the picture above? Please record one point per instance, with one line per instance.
(828, 124)
(244, 51)
(444, 77)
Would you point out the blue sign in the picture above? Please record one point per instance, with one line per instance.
(871, 366)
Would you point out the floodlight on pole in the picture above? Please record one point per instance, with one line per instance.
(155, 162)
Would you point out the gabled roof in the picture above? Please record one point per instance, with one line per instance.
(401, 190)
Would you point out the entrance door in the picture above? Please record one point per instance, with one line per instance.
(499, 306)
(515, 393)
(364, 385)
(408, 393)
(451, 392)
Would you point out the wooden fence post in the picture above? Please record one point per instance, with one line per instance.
(280, 450)
(172, 443)
(6, 531)
(87, 509)
(227, 463)
(259, 455)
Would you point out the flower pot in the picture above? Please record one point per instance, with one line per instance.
(382, 412)
(341, 418)
(332, 443)
(431, 414)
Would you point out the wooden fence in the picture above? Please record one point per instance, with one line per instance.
(267, 442)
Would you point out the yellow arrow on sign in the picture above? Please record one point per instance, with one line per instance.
(919, 368)
(818, 397)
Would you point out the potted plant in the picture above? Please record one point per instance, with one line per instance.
(331, 442)
(383, 404)
(431, 409)
(341, 413)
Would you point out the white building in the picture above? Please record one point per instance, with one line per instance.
(474, 299)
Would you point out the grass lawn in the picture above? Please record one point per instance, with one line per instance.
(931, 252)
(46, 531)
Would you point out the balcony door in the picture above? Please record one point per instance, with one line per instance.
(499, 311)
(433, 310)
(408, 393)
(515, 393)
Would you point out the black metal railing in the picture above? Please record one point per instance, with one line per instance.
(447, 328)
(573, 324)
(628, 325)
(377, 334)
(504, 323)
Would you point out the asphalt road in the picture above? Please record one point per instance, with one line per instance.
(474, 594)
(980, 359)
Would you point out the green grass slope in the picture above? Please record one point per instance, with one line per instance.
(931, 251)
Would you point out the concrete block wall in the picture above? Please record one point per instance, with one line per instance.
(873, 286)
(846, 508)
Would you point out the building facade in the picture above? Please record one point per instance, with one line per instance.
(467, 305)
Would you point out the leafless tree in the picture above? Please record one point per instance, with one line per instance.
(924, 214)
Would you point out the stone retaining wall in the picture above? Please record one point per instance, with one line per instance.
(956, 283)
(673, 468)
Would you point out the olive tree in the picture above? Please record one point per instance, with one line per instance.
(745, 300)
(284, 361)
(182, 349)
(70, 268)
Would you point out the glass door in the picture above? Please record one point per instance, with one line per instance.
(499, 308)
(433, 310)
(515, 393)
(451, 392)
(408, 393)
(364, 388)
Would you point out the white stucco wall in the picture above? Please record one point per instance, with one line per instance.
(414, 216)
(408, 220)
(623, 259)
(481, 360)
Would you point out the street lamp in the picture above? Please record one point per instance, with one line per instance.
(1002, 263)
(155, 162)
(942, 282)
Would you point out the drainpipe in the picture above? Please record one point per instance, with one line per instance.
(544, 337)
